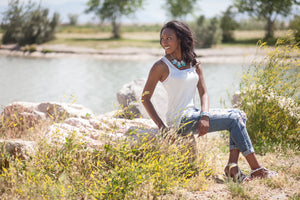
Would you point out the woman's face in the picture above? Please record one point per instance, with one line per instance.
(169, 41)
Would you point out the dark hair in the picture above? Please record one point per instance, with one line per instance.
(183, 32)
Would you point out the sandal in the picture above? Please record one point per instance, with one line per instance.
(238, 177)
(269, 173)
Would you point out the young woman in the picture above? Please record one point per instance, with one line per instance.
(182, 76)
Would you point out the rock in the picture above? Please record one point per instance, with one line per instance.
(91, 131)
(76, 122)
(23, 115)
(129, 97)
(62, 111)
(18, 148)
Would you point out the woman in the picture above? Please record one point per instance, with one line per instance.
(181, 75)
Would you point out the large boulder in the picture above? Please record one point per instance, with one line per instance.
(70, 121)
(98, 130)
(129, 98)
(24, 115)
(18, 148)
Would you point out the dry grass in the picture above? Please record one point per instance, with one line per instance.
(243, 35)
(212, 151)
(104, 40)
(285, 186)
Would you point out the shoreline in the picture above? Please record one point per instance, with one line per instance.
(242, 55)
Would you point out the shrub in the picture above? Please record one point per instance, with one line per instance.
(295, 25)
(30, 48)
(228, 25)
(27, 24)
(270, 97)
(73, 18)
(118, 170)
(207, 32)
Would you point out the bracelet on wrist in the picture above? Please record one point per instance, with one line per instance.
(204, 113)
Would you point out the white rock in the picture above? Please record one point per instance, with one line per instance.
(19, 148)
(130, 97)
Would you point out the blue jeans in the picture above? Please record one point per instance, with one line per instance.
(232, 120)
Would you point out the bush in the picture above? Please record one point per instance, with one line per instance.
(207, 32)
(27, 24)
(295, 26)
(270, 97)
(228, 25)
(118, 170)
(73, 18)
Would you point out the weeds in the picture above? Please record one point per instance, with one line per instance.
(115, 171)
(270, 97)
(237, 191)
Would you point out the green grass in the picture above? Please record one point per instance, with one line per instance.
(107, 28)
(138, 35)
(147, 39)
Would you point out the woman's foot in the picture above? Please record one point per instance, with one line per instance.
(262, 172)
(233, 171)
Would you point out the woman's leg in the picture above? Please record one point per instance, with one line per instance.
(232, 120)
(233, 158)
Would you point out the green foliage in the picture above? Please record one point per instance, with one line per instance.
(30, 48)
(117, 170)
(237, 191)
(207, 32)
(267, 10)
(295, 26)
(251, 24)
(89, 28)
(180, 8)
(73, 18)
(270, 97)
(113, 10)
(228, 25)
(27, 24)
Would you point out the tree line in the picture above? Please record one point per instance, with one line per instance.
(28, 24)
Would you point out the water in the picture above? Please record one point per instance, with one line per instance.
(93, 82)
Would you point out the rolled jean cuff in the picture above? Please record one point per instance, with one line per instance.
(245, 153)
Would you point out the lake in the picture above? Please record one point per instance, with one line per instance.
(94, 83)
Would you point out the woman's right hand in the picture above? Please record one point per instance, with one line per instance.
(203, 126)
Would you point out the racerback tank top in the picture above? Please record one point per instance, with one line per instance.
(181, 87)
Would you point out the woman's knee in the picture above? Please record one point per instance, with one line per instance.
(241, 116)
(238, 119)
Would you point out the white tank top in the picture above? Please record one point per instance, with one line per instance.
(181, 87)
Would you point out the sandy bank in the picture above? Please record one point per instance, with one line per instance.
(212, 55)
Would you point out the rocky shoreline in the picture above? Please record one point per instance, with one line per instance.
(242, 55)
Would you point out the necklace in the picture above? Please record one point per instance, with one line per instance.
(178, 63)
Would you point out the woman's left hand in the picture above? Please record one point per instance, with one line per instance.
(203, 126)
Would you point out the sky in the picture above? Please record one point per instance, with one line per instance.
(153, 11)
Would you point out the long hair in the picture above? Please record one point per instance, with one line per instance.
(183, 32)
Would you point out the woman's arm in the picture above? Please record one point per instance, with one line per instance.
(157, 73)
(203, 124)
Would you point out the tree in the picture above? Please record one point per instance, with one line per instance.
(180, 8)
(207, 32)
(73, 18)
(113, 10)
(27, 24)
(228, 25)
(267, 10)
